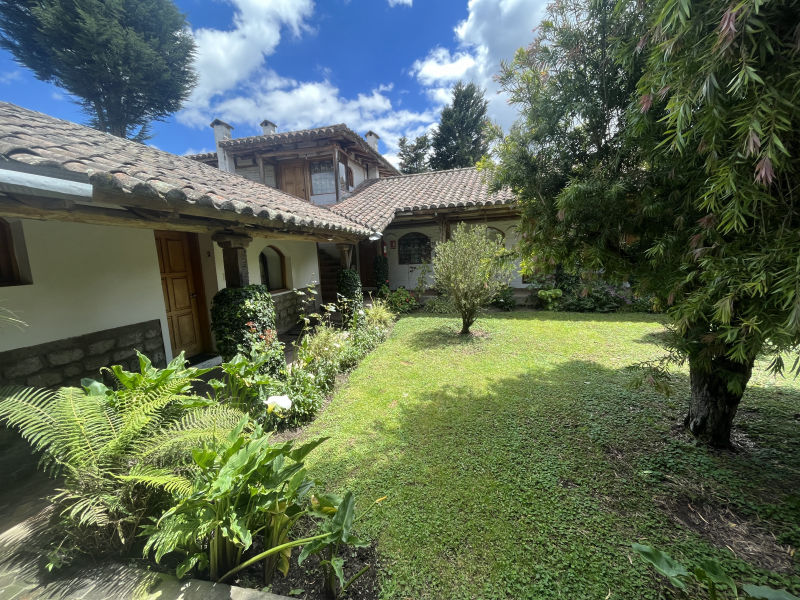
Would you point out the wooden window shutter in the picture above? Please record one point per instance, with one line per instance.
(9, 271)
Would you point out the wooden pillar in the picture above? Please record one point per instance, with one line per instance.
(345, 254)
(442, 228)
(234, 258)
(336, 170)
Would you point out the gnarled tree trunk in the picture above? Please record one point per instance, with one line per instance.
(713, 405)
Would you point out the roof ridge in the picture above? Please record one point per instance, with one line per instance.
(307, 129)
(430, 172)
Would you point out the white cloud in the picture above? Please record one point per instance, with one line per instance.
(226, 58)
(440, 66)
(492, 32)
(10, 76)
(401, 2)
(300, 105)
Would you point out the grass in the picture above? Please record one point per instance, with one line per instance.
(517, 463)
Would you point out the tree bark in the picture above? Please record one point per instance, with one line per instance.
(466, 323)
(713, 405)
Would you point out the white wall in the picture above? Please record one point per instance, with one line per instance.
(407, 275)
(302, 268)
(86, 278)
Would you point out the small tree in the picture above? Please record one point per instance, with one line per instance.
(129, 61)
(470, 269)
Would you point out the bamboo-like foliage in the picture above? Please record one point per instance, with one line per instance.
(94, 436)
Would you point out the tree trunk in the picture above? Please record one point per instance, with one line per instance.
(713, 405)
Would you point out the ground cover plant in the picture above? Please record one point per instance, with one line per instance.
(518, 464)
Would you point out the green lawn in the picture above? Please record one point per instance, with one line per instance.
(517, 464)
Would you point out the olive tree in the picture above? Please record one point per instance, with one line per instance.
(470, 269)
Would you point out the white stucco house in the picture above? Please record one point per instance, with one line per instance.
(335, 167)
(109, 245)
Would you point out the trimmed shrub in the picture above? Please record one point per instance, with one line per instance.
(382, 271)
(243, 322)
(579, 295)
(351, 298)
(401, 301)
(349, 285)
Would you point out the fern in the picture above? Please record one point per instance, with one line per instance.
(198, 427)
(108, 444)
(159, 478)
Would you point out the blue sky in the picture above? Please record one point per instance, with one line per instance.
(385, 65)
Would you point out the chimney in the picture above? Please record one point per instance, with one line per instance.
(268, 127)
(222, 132)
(372, 139)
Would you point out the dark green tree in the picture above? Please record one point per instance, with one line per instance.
(414, 155)
(688, 192)
(128, 61)
(460, 140)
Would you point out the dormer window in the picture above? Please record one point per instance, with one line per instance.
(322, 177)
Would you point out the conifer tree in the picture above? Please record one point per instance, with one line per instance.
(129, 62)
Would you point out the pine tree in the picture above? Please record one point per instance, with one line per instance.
(414, 155)
(460, 140)
(128, 61)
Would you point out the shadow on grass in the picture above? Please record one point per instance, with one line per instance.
(530, 314)
(556, 468)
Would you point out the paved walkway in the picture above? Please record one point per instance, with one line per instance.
(23, 537)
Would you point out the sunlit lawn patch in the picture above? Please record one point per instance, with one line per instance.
(517, 463)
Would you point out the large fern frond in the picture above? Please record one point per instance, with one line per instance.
(70, 426)
(144, 412)
(205, 425)
(159, 478)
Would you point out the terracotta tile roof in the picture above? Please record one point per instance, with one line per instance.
(301, 135)
(375, 202)
(128, 167)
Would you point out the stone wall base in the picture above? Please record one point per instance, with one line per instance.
(287, 309)
(65, 363)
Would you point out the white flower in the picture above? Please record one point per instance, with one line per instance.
(282, 402)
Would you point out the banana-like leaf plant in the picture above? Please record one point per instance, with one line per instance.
(240, 488)
(709, 575)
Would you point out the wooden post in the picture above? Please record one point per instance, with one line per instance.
(345, 254)
(336, 171)
(234, 258)
(442, 228)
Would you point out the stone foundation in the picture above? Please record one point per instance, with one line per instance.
(287, 309)
(66, 362)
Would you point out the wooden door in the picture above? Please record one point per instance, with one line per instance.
(293, 179)
(178, 260)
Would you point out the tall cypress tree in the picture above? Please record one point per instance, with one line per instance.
(129, 61)
(414, 155)
(460, 140)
